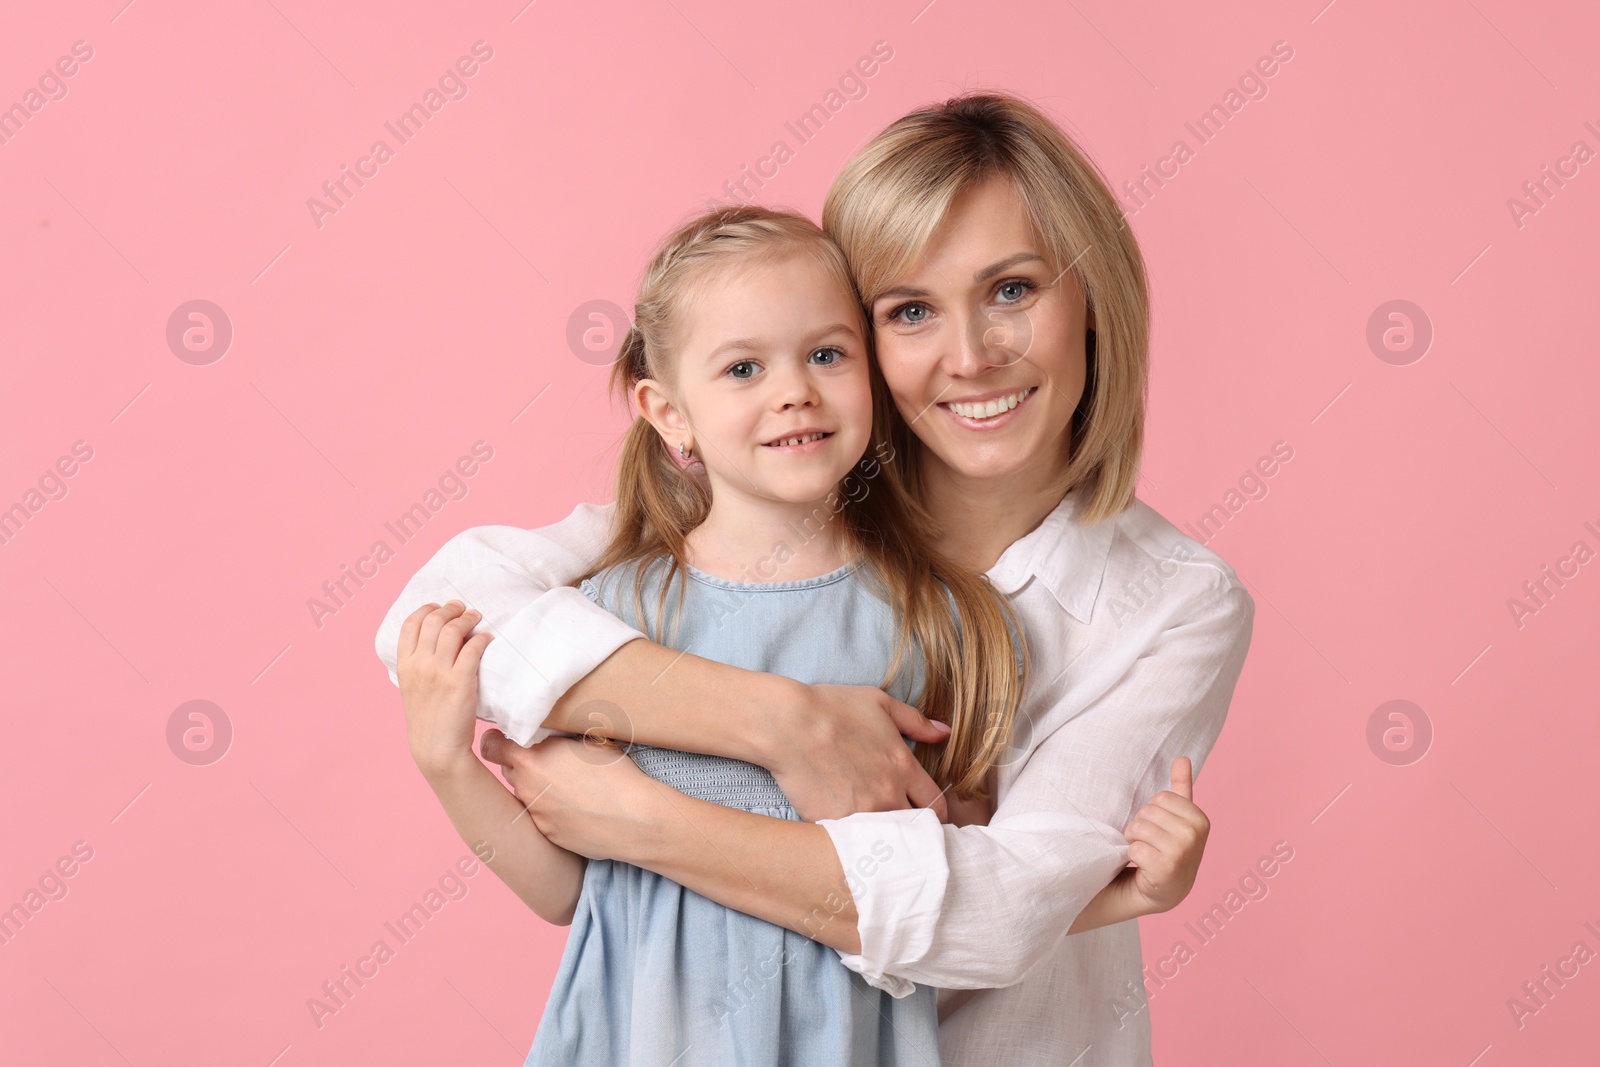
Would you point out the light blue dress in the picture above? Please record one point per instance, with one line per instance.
(655, 975)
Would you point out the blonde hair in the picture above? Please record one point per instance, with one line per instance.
(969, 656)
(885, 204)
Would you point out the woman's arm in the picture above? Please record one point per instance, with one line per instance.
(560, 662)
(978, 906)
(902, 897)
(595, 801)
(547, 633)
(834, 749)
(437, 665)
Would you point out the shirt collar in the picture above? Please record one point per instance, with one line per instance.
(1067, 557)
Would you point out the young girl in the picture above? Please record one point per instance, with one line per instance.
(791, 548)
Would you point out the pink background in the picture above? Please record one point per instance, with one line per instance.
(371, 352)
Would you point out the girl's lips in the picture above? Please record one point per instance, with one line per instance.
(994, 422)
(802, 449)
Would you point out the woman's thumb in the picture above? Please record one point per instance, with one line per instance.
(1183, 777)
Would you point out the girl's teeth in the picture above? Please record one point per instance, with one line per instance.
(799, 440)
(988, 409)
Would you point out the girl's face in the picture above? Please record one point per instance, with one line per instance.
(772, 389)
(982, 344)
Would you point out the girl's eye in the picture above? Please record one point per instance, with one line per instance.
(830, 356)
(743, 370)
(1017, 288)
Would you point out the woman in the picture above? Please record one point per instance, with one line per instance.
(1009, 312)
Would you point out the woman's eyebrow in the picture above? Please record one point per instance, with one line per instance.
(902, 290)
(981, 276)
(1010, 261)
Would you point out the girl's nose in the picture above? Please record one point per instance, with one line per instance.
(795, 388)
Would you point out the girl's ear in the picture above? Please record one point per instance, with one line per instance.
(658, 407)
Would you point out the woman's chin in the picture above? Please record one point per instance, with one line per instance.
(984, 461)
(1008, 457)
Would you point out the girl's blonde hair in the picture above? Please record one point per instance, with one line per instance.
(969, 682)
(887, 201)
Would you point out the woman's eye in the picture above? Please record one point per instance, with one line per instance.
(829, 356)
(1015, 290)
(743, 370)
(911, 313)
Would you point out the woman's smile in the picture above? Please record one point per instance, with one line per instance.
(989, 411)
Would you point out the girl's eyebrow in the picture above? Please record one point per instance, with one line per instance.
(742, 344)
(752, 344)
(831, 329)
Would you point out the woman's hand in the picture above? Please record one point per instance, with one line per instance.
(438, 671)
(1166, 840)
(584, 795)
(839, 750)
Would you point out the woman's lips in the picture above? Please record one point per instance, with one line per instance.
(1013, 402)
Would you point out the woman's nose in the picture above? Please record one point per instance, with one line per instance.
(1006, 337)
(964, 352)
(986, 339)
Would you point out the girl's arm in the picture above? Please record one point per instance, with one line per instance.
(438, 672)
(560, 662)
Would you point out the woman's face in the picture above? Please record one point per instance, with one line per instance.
(982, 343)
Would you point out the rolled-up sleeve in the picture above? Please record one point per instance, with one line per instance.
(548, 634)
(977, 906)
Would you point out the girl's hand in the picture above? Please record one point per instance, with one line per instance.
(584, 795)
(1166, 840)
(438, 670)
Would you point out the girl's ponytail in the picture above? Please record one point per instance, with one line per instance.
(663, 502)
(630, 365)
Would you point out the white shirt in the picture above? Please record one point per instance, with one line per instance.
(1136, 636)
